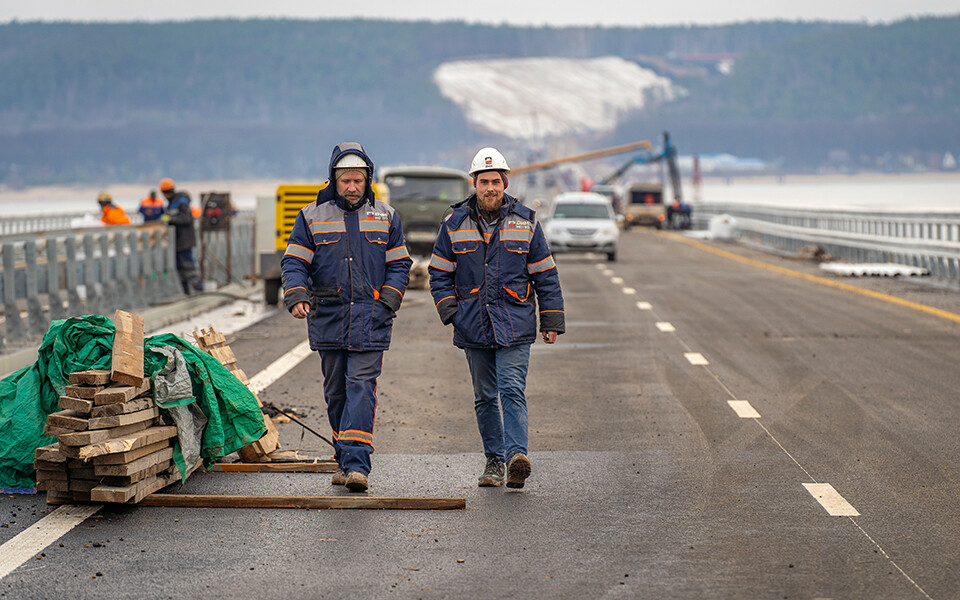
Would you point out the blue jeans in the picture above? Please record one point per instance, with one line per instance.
(499, 380)
(350, 389)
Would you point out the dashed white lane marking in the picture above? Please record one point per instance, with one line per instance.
(629, 291)
(600, 266)
(616, 280)
(695, 358)
(608, 272)
(831, 500)
(665, 327)
(280, 367)
(644, 306)
(743, 409)
(30, 542)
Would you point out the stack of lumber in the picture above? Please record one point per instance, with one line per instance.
(110, 447)
(214, 343)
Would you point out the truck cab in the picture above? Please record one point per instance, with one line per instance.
(643, 205)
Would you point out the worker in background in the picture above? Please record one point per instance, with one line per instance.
(345, 271)
(110, 213)
(180, 216)
(151, 207)
(489, 259)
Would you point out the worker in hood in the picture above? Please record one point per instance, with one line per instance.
(345, 270)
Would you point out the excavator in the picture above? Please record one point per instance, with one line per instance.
(644, 203)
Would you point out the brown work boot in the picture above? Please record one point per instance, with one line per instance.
(357, 481)
(492, 474)
(339, 478)
(518, 469)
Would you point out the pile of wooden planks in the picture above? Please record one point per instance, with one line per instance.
(214, 343)
(110, 446)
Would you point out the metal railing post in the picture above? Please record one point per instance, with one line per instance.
(54, 300)
(15, 330)
(36, 320)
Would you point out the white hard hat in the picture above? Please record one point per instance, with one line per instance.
(489, 159)
(351, 161)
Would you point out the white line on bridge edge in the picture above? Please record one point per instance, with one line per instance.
(743, 409)
(629, 291)
(29, 542)
(695, 358)
(831, 500)
(665, 327)
(280, 367)
(644, 306)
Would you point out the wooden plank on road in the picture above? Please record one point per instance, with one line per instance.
(323, 466)
(234, 501)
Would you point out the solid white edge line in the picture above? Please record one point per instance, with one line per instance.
(644, 306)
(831, 500)
(665, 327)
(31, 541)
(280, 367)
(695, 358)
(743, 409)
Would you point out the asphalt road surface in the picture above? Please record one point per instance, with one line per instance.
(715, 423)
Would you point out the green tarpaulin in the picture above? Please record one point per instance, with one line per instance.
(82, 343)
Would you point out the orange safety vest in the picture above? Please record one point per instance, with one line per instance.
(114, 215)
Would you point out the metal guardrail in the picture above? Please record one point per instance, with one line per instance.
(928, 240)
(57, 274)
(22, 225)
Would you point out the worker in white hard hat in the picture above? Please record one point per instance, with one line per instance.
(489, 256)
(345, 270)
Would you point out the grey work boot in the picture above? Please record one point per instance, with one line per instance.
(492, 473)
(339, 478)
(518, 469)
(356, 481)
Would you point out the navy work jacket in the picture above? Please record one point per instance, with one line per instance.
(483, 283)
(352, 266)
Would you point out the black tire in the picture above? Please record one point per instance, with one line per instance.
(611, 256)
(271, 291)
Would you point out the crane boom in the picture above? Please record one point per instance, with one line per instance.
(644, 144)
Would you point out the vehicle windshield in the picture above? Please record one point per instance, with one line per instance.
(564, 210)
(405, 187)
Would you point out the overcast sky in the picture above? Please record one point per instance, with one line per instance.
(517, 12)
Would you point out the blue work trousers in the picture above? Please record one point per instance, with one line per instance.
(350, 389)
(499, 380)
(187, 270)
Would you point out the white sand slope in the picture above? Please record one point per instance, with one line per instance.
(542, 97)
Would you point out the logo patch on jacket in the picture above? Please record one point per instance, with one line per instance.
(379, 215)
(518, 224)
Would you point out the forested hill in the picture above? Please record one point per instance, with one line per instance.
(235, 98)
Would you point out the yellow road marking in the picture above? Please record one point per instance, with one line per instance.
(815, 279)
